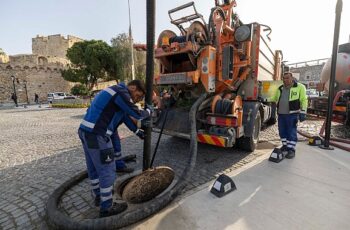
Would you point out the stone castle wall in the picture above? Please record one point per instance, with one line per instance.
(39, 72)
(39, 79)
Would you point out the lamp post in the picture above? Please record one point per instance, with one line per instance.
(131, 46)
(14, 96)
(25, 87)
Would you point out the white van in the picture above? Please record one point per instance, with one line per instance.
(58, 96)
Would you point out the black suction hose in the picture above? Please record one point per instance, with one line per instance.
(160, 135)
(58, 220)
(147, 148)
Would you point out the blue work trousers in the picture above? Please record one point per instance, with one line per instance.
(99, 155)
(287, 128)
(119, 164)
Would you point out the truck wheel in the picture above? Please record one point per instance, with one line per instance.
(273, 118)
(249, 143)
(271, 121)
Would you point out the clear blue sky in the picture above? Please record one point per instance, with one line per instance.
(303, 29)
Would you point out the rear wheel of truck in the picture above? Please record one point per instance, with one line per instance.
(273, 118)
(249, 143)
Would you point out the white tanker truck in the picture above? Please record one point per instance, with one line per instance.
(341, 105)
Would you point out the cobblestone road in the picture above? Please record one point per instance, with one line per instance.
(40, 150)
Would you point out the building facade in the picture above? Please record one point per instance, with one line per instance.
(309, 72)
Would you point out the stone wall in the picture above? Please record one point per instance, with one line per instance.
(34, 59)
(39, 79)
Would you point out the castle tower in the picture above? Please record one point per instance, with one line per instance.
(53, 45)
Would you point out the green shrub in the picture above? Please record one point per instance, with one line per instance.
(80, 90)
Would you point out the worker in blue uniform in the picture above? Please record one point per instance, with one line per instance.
(111, 104)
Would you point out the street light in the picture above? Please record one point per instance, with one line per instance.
(14, 96)
(131, 46)
(25, 87)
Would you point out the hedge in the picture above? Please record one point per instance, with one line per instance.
(70, 105)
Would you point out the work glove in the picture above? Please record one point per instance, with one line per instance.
(140, 134)
(146, 123)
(149, 109)
(168, 101)
(302, 117)
(261, 99)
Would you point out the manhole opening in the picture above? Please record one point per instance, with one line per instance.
(147, 185)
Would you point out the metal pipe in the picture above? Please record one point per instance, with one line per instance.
(338, 10)
(149, 79)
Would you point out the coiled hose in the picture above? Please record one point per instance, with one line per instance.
(223, 106)
(59, 220)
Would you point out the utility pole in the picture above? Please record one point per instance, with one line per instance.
(131, 45)
(329, 117)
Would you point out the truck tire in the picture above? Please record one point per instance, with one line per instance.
(273, 118)
(249, 143)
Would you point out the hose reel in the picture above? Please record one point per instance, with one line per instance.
(226, 106)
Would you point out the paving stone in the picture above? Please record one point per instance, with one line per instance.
(21, 220)
(17, 213)
(9, 224)
(4, 219)
(31, 208)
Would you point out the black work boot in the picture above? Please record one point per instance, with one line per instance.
(125, 170)
(128, 158)
(97, 201)
(290, 154)
(116, 208)
(284, 149)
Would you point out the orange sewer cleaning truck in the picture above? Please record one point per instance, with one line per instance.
(230, 61)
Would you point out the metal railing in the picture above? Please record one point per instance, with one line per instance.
(308, 63)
